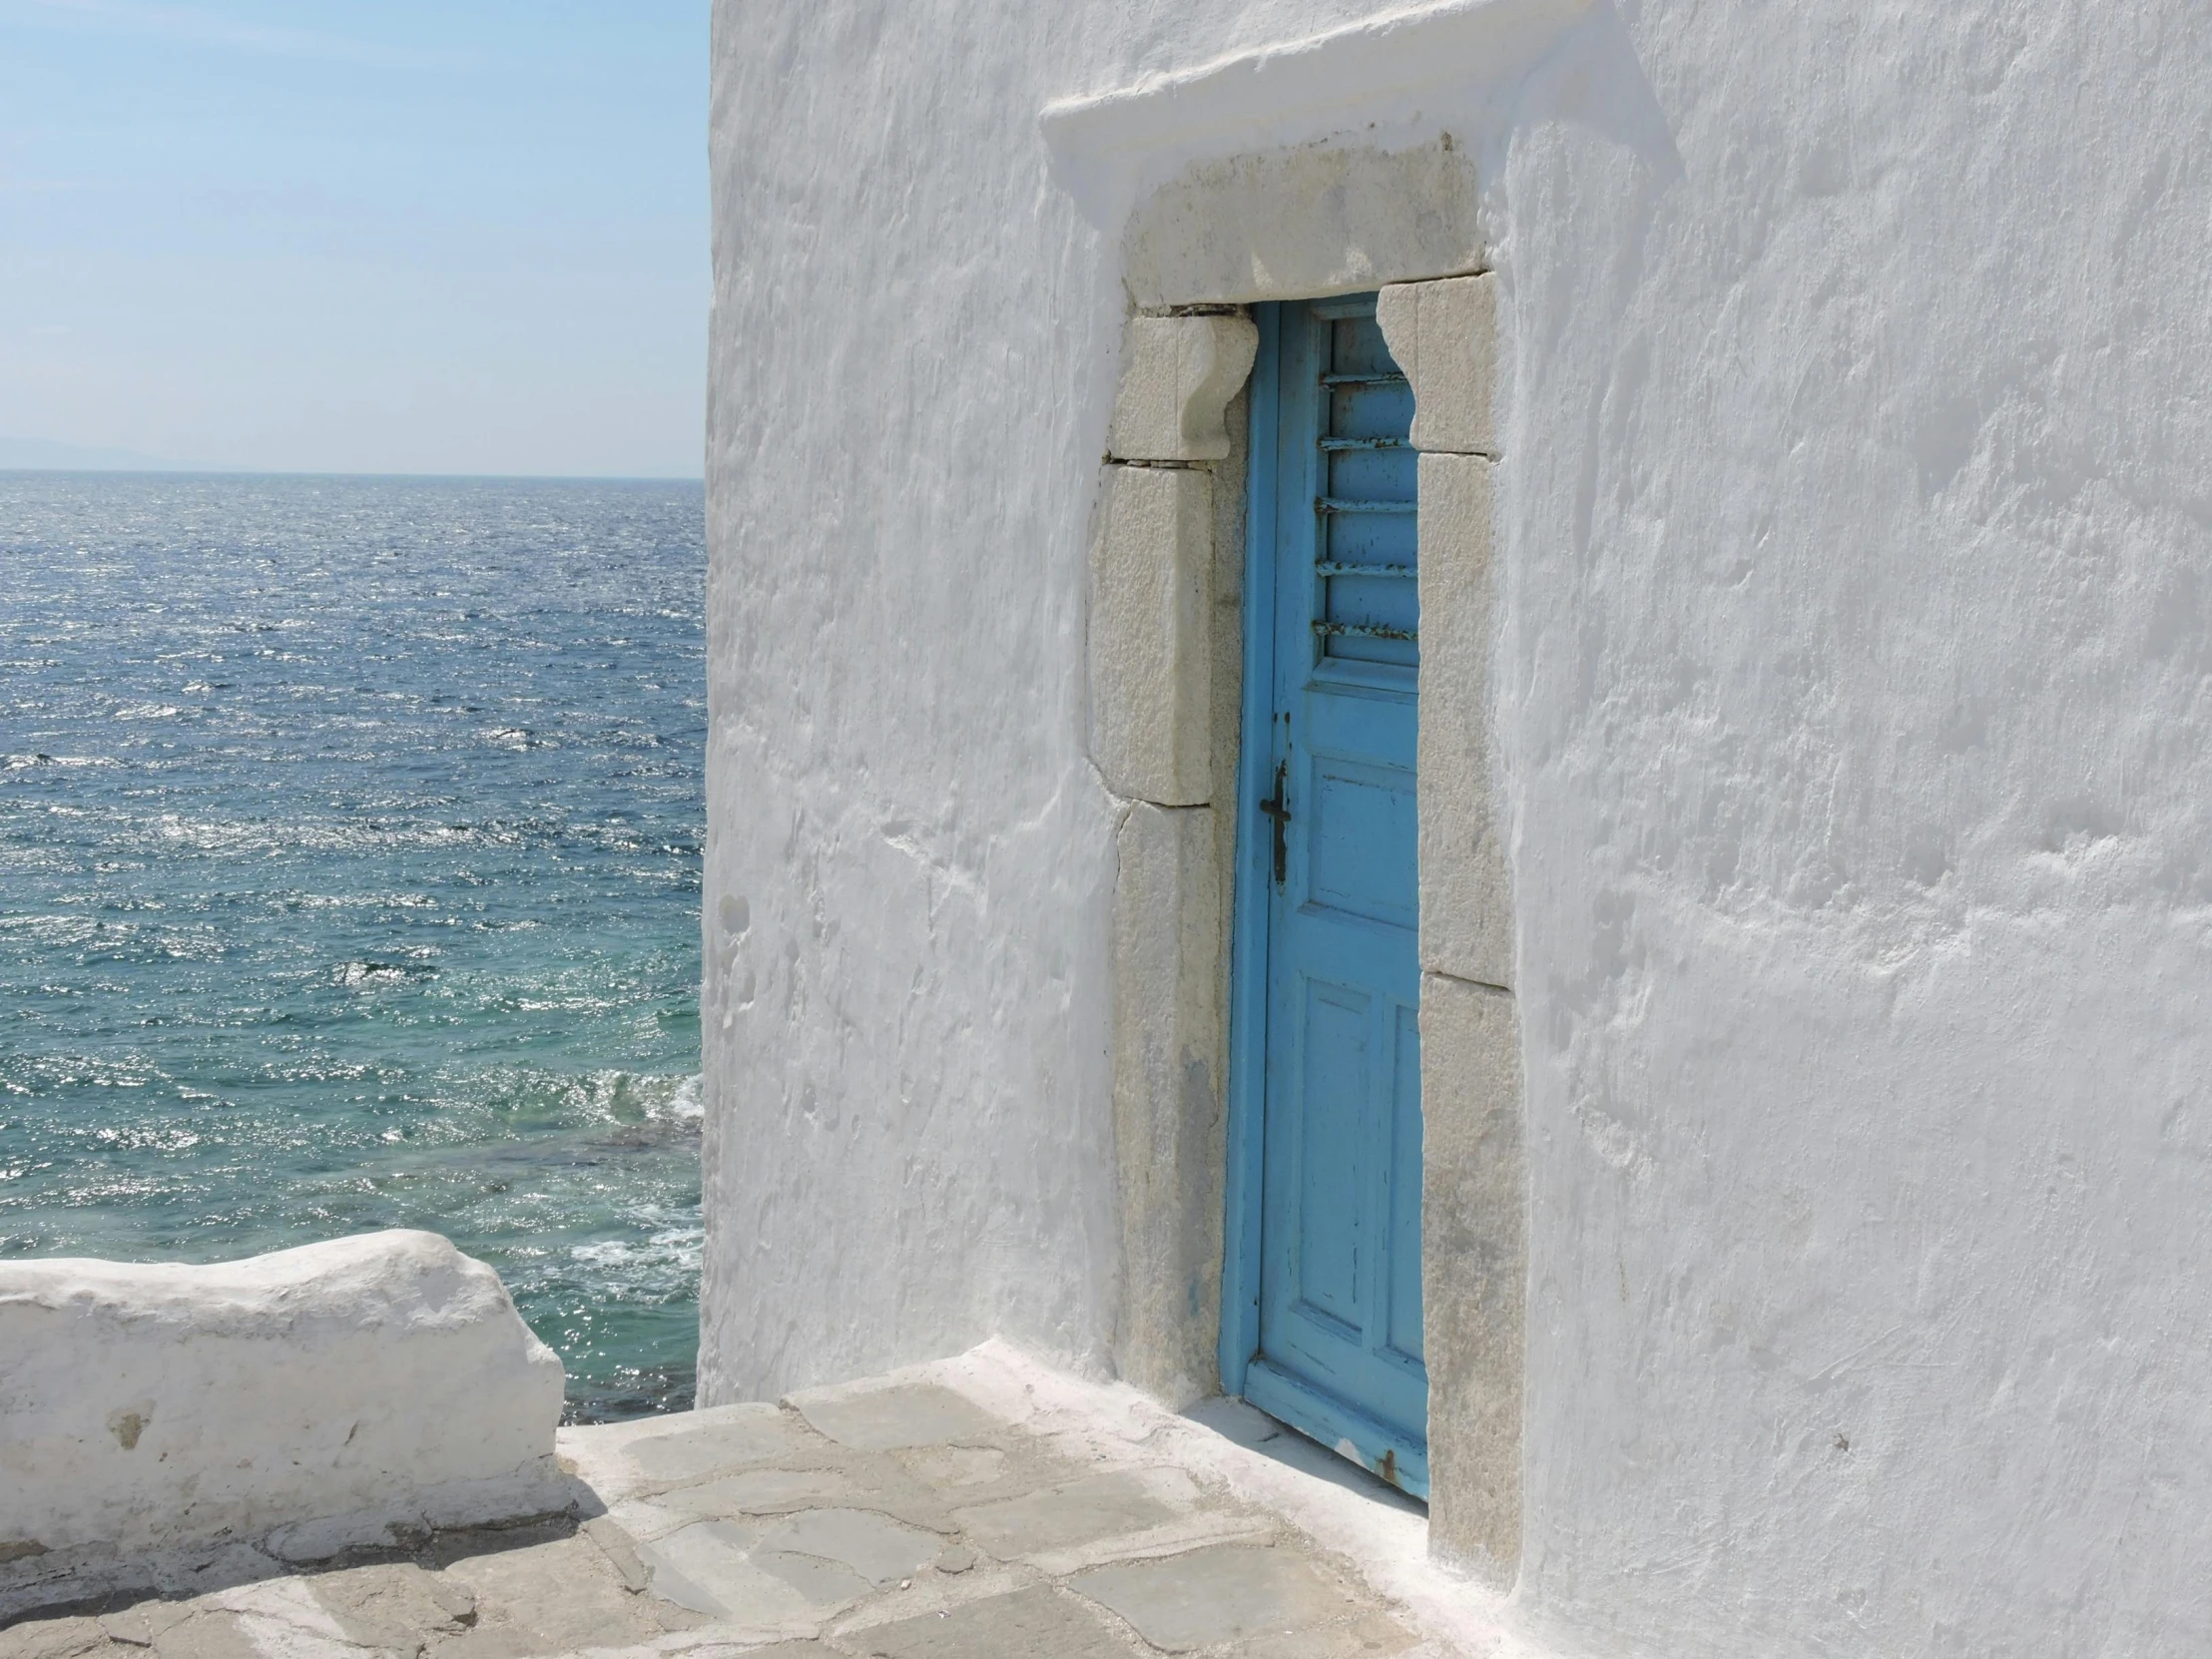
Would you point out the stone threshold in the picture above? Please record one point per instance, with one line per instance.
(975, 1507)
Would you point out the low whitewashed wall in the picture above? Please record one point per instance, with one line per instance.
(304, 1401)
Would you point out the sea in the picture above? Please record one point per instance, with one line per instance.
(349, 874)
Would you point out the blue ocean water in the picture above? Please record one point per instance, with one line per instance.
(350, 851)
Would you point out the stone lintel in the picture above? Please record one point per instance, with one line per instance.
(1303, 221)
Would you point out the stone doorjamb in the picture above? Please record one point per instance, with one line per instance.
(1165, 635)
(1474, 1182)
(1165, 662)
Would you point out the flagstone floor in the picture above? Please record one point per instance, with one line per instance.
(982, 1508)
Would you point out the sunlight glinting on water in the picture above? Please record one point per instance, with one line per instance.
(350, 878)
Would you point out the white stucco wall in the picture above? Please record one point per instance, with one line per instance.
(1855, 637)
(1860, 516)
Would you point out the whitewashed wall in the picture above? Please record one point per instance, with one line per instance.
(1854, 691)
(298, 1403)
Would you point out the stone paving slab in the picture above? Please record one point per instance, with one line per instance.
(1098, 1507)
(900, 1518)
(1039, 1620)
(885, 1420)
(1219, 1594)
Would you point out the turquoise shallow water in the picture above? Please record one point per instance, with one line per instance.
(350, 840)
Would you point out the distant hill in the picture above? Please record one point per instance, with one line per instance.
(43, 454)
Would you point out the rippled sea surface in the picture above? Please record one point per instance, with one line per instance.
(350, 835)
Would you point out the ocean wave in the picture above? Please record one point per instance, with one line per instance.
(689, 1103)
(656, 1097)
(354, 902)
(147, 1138)
(674, 1247)
(359, 975)
(14, 763)
(314, 837)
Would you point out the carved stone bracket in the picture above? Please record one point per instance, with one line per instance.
(1178, 375)
(1444, 336)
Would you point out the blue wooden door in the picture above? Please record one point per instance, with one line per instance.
(1331, 853)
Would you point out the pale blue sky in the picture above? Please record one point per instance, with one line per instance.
(380, 236)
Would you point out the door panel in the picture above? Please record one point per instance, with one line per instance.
(1339, 1317)
(1362, 840)
(1329, 1153)
(1404, 1321)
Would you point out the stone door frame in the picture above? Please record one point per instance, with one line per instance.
(1165, 653)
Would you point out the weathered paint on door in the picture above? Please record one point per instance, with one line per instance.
(1331, 860)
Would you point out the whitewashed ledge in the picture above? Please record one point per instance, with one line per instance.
(166, 1424)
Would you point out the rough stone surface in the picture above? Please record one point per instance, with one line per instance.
(313, 1398)
(1151, 644)
(621, 1551)
(1051, 1512)
(544, 1594)
(878, 1549)
(128, 1626)
(760, 1492)
(62, 1638)
(741, 1435)
(871, 1419)
(722, 1568)
(1169, 1123)
(956, 1466)
(211, 1635)
(1467, 911)
(1217, 1594)
(1170, 939)
(1474, 1270)
(1061, 1516)
(1443, 334)
(1370, 1636)
(1178, 374)
(389, 1605)
(1028, 1624)
(1298, 223)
